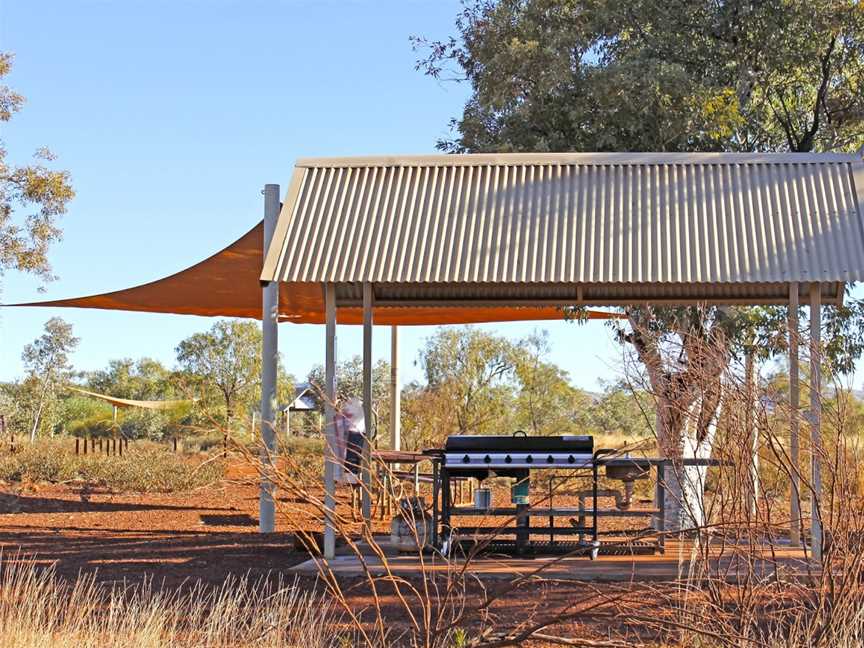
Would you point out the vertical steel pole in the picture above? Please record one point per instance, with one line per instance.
(269, 360)
(794, 411)
(816, 418)
(752, 434)
(395, 392)
(368, 299)
(330, 421)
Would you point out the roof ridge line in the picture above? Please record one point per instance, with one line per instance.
(600, 159)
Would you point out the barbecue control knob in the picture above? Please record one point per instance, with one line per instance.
(487, 459)
(508, 459)
(550, 459)
(529, 459)
(571, 459)
(466, 459)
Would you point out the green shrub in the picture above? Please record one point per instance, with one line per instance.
(305, 453)
(146, 467)
(79, 408)
(154, 425)
(91, 427)
(206, 441)
(38, 462)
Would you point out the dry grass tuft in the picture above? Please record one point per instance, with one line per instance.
(147, 467)
(39, 611)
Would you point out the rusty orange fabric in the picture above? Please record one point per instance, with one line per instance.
(227, 284)
(128, 402)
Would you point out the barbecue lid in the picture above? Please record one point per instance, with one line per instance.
(519, 443)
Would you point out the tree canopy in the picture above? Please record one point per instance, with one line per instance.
(226, 359)
(46, 361)
(32, 198)
(477, 382)
(652, 75)
(655, 75)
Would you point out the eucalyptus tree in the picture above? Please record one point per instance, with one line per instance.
(225, 359)
(546, 403)
(474, 373)
(46, 361)
(141, 379)
(667, 75)
(32, 198)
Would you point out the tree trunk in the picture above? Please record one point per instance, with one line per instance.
(685, 485)
(37, 418)
(688, 390)
(229, 413)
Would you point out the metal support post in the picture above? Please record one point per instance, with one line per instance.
(395, 392)
(794, 411)
(330, 422)
(269, 359)
(816, 419)
(365, 468)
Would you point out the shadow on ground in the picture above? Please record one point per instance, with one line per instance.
(168, 557)
(12, 503)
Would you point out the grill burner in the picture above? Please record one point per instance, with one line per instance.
(519, 443)
(468, 452)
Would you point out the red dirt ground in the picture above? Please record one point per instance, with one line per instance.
(204, 534)
(171, 539)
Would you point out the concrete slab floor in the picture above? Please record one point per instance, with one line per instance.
(678, 563)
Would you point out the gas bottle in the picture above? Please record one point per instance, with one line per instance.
(411, 529)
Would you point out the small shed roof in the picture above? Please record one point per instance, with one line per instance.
(596, 228)
(304, 399)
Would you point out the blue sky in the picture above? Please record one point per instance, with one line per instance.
(172, 116)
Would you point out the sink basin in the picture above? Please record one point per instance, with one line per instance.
(627, 469)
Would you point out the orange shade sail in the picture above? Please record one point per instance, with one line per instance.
(227, 285)
(128, 402)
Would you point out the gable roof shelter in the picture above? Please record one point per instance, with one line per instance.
(529, 230)
(594, 228)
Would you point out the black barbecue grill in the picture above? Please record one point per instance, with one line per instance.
(503, 455)
(515, 456)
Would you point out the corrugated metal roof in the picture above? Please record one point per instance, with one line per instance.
(626, 220)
